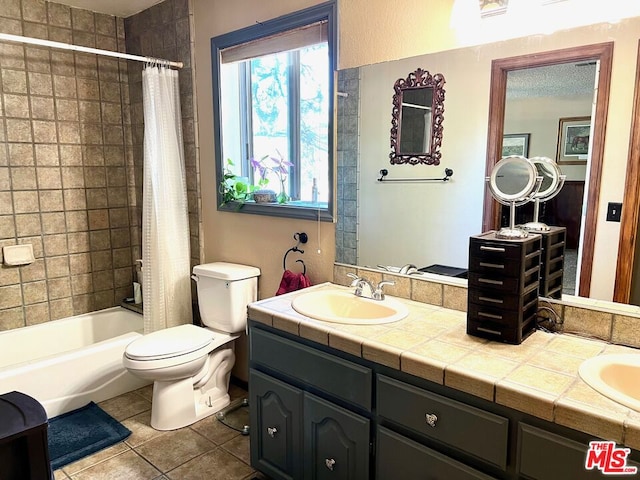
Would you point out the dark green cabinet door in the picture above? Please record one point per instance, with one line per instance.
(336, 442)
(276, 430)
(398, 457)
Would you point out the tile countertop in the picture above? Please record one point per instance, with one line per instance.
(538, 377)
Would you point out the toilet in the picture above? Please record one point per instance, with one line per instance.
(189, 365)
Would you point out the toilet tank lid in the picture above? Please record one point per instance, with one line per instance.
(226, 271)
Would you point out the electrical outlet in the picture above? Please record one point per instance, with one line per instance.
(613, 212)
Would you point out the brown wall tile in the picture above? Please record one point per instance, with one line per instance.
(70, 175)
(16, 105)
(25, 201)
(33, 271)
(49, 178)
(37, 313)
(59, 288)
(34, 292)
(59, 15)
(21, 154)
(23, 178)
(51, 200)
(47, 155)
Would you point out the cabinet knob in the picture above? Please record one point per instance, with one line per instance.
(272, 431)
(431, 419)
(329, 462)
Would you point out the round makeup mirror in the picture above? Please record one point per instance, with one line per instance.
(514, 181)
(552, 182)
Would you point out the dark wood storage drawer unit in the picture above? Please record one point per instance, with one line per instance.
(504, 276)
(552, 262)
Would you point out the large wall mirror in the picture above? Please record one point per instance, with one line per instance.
(430, 224)
(416, 118)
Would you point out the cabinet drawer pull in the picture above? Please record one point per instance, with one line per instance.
(492, 249)
(329, 462)
(491, 265)
(492, 282)
(272, 431)
(492, 300)
(431, 419)
(488, 330)
(490, 315)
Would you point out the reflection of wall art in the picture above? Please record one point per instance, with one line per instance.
(515, 144)
(573, 140)
(492, 7)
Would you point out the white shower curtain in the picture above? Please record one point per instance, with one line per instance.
(166, 285)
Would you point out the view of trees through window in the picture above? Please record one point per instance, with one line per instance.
(283, 115)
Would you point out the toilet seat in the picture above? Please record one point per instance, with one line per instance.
(170, 342)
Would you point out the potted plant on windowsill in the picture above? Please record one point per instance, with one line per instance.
(233, 188)
(265, 166)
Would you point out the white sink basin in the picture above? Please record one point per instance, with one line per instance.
(345, 307)
(614, 376)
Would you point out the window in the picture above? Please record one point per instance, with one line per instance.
(273, 108)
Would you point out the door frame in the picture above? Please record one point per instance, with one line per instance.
(497, 100)
(630, 214)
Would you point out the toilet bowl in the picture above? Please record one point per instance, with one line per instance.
(190, 366)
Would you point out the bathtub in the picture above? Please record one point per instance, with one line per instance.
(67, 363)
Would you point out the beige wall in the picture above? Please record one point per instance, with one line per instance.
(539, 117)
(250, 239)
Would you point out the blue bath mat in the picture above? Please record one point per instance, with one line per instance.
(76, 434)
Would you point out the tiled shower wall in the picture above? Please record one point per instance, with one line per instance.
(70, 163)
(63, 175)
(163, 31)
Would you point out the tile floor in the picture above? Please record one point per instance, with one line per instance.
(205, 450)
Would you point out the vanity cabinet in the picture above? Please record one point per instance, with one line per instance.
(399, 457)
(295, 433)
(276, 430)
(336, 441)
(319, 413)
(462, 427)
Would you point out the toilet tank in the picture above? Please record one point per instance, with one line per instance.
(224, 291)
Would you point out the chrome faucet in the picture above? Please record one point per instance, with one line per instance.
(408, 269)
(375, 293)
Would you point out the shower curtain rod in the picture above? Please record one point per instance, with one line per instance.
(67, 46)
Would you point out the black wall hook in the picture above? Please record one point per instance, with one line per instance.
(301, 238)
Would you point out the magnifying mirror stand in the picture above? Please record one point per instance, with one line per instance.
(536, 226)
(512, 232)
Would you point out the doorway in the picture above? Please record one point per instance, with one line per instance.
(601, 53)
(543, 105)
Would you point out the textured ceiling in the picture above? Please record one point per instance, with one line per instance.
(119, 8)
(564, 80)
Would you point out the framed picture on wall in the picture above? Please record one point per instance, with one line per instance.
(515, 144)
(573, 140)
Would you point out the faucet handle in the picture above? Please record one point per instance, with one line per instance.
(355, 277)
(379, 294)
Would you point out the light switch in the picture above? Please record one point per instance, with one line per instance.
(613, 212)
